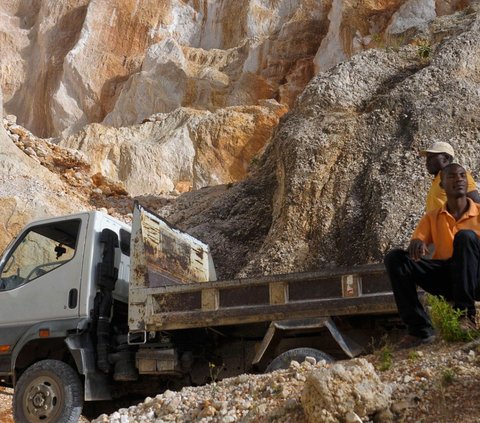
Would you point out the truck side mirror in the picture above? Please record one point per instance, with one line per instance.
(60, 250)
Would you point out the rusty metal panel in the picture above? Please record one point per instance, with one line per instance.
(351, 285)
(376, 283)
(161, 257)
(244, 295)
(173, 256)
(315, 288)
(167, 303)
(164, 298)
(372, 304)
(210, 299)
(278, 292)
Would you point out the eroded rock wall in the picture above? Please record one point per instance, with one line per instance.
(70, 63)
(28, 190)
(340, 182)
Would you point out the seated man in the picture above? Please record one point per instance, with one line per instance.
(439, 155)
(453, 271)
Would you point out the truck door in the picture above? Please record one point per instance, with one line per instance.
(40, 276)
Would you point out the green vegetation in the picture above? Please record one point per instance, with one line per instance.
(447, 376)
(385, 358)
(413, 355)
(424, 49)
(214, 371)
(446, 321)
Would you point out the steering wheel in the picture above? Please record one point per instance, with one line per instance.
(42, 269)
(10, 282)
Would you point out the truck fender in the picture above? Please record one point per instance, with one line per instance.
(278, 329)
(49, 330)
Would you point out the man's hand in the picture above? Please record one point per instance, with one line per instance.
(417, 249)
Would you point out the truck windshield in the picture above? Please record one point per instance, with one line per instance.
(42, 249)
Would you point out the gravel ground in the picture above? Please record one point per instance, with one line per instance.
(438, 383)
(433, 384)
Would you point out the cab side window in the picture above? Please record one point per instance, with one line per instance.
(41, 249)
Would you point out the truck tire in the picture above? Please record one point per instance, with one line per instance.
(48, 392)
(283, 360)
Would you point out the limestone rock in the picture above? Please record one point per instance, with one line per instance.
(338, 393)
(183, 150)
(411, 14)
(66, 63)
(69, 63)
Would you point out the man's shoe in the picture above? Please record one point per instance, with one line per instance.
(467, 324)
(410, 341)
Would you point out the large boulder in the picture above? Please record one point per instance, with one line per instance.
(179, 151)
(331, 393)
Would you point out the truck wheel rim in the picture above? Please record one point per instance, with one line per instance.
(43, 400)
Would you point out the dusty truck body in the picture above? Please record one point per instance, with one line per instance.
(90, 310)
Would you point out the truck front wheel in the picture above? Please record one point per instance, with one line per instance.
(48, 392)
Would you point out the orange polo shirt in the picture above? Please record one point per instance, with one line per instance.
(436, 196)
(439, 227)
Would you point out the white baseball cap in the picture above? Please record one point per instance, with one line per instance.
(439, 147)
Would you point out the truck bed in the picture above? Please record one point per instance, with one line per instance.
(181, 303)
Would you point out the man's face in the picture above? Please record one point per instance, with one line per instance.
(454, 181)
(435, 162)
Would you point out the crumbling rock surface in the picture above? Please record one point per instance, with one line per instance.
(28, 189)
(429, 384)
(340, 182)
(293, 395)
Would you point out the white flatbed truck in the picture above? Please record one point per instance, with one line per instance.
(91, 310)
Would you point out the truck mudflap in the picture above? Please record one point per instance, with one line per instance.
(278, 329)
(96, 386)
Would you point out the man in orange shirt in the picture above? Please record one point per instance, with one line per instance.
(453, 271)
(439, 155)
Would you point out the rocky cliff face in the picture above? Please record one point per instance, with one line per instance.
(179, 151)
(29, 190)
(339, 181)
(66, 64)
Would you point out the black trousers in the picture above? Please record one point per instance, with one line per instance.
(456, 279)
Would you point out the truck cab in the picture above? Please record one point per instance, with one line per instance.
(49, 283)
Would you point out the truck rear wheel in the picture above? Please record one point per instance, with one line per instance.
(283, 360)
(48, 392)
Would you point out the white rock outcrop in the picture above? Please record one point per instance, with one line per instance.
(182, 150)
(339, 393)
(412, 14)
